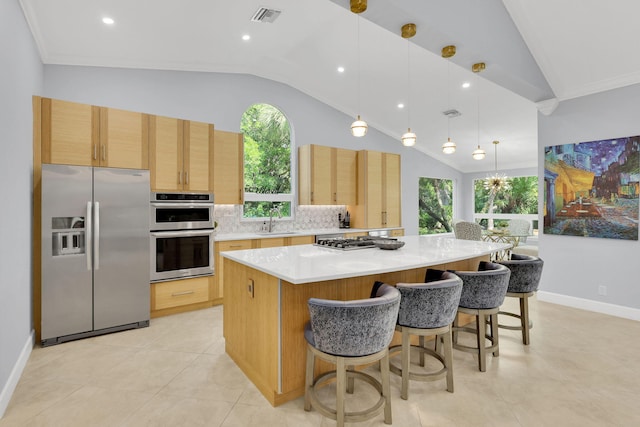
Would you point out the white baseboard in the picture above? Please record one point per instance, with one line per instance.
(590, 305)
(16, 372)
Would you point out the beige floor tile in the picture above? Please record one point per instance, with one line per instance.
(581, 369)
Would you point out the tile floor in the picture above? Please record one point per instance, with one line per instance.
(582, 369)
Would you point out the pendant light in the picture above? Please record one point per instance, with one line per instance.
(448, 147)
(358, 127)
(498, 181)
(478, 153)
(408, 138)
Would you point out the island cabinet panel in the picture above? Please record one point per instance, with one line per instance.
(250, 326)
(87, 135)
(379, 193)
(228, 167)
(326, 175)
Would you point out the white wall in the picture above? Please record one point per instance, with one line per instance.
(222, 99)
(20, 78)
(576, 266)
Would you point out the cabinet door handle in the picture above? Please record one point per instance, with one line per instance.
(95, 151)
(104, 152)
(335, 197)
(177, 294)
(186, 178)
(180, 177)
(312, 196)
(235, 246)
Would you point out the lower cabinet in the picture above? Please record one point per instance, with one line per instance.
(169, 297)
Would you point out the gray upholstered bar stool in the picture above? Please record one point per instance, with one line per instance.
(427, 309)
(525, 278)
(483, 293)
(348, 334)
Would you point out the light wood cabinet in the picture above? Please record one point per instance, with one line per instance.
(181, 154)
(228, 167)
(326, 175)
(379, 197)
(177, 293)
(87, 135)
(398, 232)
(232, 245)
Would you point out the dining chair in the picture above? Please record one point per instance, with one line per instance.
(467, 230)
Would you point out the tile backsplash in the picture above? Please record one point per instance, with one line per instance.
(229, 218)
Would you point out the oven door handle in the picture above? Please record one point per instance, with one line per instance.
(183, 233)
(186, 205)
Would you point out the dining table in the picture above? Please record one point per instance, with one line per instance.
(503, 235)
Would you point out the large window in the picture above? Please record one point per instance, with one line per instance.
(518, 200)
(435, 205)
(267, 162)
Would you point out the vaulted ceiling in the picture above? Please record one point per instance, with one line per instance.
(537, 53)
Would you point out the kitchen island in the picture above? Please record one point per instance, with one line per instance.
(266, 293)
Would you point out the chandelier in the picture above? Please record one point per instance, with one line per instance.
(496, 182)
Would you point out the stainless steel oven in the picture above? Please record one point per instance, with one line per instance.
(182, 239)
(181, 211)
(180, 254)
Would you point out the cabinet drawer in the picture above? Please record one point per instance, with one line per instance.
(234, 245)
(397, 232)
(180, 292)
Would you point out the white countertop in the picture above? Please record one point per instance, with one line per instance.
(310, 263)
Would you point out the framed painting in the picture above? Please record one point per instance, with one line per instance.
(591, 188)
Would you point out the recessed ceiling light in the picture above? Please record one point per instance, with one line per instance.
(246, 37)
(401, 105)
(341, 69)
(466, 85)
(108, 21)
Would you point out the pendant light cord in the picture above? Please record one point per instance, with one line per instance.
(359, 77)
(408, 87)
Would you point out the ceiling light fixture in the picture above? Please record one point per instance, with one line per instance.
(498, 181)
(448, 147)
(358, 6)
(408, 138)
(246, 37)
(478, 153)
(359, 127)
(108, 21)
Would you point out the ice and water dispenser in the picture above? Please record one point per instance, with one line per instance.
(68, 235)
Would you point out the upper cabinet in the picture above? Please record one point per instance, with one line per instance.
(379, 197)
(228, 167)
(326, 175)
(181, 154)
(86, 135)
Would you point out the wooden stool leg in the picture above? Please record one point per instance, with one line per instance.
(494, 334)
(386, 387)
(480, 333)
(350, 380)
(447, 349)
(421, 342)
(524, 319)
(341, 383)
(406, 362)
(308, 381)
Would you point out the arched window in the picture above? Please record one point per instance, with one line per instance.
(267, 162)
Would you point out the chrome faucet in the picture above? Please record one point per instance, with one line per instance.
(271, 212)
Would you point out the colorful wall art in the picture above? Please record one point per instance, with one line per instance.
(591, 188)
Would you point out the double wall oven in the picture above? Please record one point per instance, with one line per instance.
(182, 235)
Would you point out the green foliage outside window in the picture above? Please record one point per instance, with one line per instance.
(520, 198)
(267, 160)
(435, 205)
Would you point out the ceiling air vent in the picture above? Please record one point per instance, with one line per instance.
(452, 113)
(264, 14)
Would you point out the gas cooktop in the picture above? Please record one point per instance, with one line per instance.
(343, 244)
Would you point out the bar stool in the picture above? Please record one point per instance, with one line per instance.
(483, 293)
(523, 283)
(427, 309)
(348, 334)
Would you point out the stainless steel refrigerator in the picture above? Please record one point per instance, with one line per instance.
(95, 251)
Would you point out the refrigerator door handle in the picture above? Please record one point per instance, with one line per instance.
(97, 238)
(89, 242)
